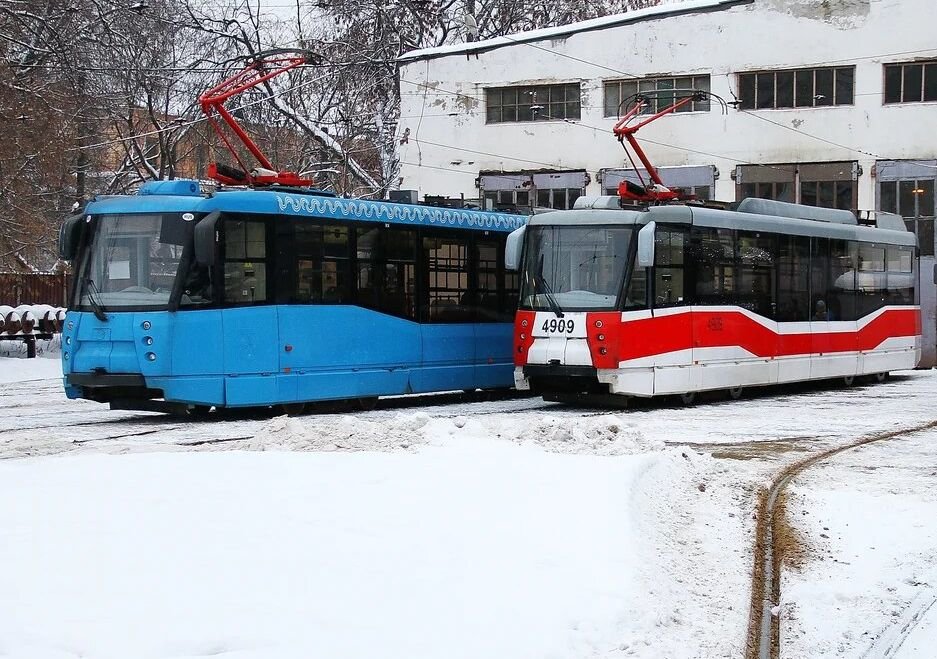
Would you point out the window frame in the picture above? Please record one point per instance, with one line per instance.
(797, 76)
(655, 104)
(928, 69)
(495, 112)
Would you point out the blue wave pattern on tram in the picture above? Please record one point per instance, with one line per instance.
(368, 210)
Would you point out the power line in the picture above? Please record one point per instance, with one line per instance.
(583, 125)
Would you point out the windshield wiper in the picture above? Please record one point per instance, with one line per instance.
(548, 294)
(96, 306)
(547, 291)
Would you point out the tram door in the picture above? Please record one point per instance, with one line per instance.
(447, 314)
(927, 299)
(251, 338)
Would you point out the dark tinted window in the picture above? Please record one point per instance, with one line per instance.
(322, 257)
(245, 261)
(793, 278)
(449, 297)
(841, 294)
(386, 274)
(669, 271)
(756, 270)
(712, 253)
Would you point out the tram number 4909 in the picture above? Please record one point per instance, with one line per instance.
(559, 326)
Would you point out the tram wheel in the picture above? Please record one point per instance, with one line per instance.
(849, 380)
(367, 403)
(736, 392)
(881, 377)
(688, 399)
(293, 409)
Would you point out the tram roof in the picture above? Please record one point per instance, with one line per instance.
(304, 204)
(724, 219)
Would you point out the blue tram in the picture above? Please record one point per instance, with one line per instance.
(184, 301)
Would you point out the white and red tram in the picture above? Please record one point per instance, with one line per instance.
(679, 299)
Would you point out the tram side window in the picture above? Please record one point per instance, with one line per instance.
(636, 293)
(872, 279)
(756, 289)
(449, 298)
(899, 260)
(668, 268)
(511, 293)
(322, 259)
(793, 278)
(386, 274)
(841, 294)
(488, 303)
(245, 267)
(712, 252)
(820, 279)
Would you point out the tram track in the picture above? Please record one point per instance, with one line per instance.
(772, 542)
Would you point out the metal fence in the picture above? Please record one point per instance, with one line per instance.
(33, 288)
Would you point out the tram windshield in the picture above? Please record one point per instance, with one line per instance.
(133, 262)
(575, 267)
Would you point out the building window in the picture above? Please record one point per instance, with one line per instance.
(913, 200)
(517, 191)
(827, 185)
(534, 103)
(617, 91)
(559, 198)
(801, 88)
(908, 198)
(912, 82)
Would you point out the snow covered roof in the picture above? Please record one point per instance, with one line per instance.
(650, 13)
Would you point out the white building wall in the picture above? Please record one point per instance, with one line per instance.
(446, 141)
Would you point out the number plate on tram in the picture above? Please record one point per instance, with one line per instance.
(570, 326)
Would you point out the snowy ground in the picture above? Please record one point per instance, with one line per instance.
(868, 581)
(512, 528)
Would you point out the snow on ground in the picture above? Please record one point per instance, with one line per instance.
(433, 526)
(471, 549)
(869, 574)
(44, 367)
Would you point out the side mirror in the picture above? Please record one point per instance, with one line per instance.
(514, 248)
(646, 245)
(70, 233)
(206, 239)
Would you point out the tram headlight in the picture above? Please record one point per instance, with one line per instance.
(524, 323)
(148, 340)
(603, 350)
(523, 336)
(146, 324)
(65, 355)
(68, 340)
(151, 356)
(601, 337)
(598, 323)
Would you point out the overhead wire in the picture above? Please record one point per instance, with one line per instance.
(577, 122)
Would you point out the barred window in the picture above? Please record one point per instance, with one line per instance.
(800, 88)
(532, 103)
(617, 91)
(911, 82)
